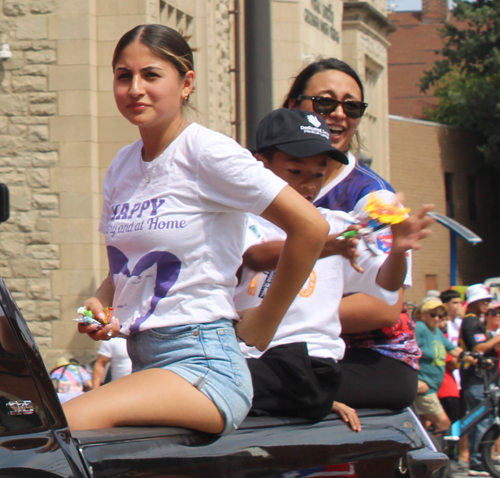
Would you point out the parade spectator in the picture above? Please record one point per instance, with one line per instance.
(452, 300)
(70, 379)
(493, 318)
(449, 393)
(474, 337)
(113, 354)
(434, 346)
(451, 387)
(492, 322)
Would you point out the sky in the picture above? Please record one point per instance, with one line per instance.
(409, 5)
(405, 5)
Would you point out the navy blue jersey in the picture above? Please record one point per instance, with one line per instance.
(360, 182)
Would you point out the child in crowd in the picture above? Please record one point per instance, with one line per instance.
(298, 374)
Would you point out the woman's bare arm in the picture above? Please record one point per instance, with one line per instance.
(306, 231)
(362, 312)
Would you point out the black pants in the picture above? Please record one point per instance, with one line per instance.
(288, 382)
(452, 408)
(373, 380)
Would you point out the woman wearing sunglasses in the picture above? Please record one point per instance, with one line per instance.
(434, 346)
(380, 365)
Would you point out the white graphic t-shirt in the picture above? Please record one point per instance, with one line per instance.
(116, 350)
(313, 317)
(175, 232)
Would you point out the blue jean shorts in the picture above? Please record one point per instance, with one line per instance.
(207, 356)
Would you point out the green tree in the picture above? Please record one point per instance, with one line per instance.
(467, 78)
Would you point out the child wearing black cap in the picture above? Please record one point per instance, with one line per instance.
(298, 374)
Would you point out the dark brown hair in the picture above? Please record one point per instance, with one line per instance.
(163, 41)
(324, 64)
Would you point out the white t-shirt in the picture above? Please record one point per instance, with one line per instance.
(116, 350)
(453, 332)
(313, 317)
(174, 243)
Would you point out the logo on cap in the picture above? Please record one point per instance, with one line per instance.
(314, 120)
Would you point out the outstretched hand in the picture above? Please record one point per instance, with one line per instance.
(407, 234)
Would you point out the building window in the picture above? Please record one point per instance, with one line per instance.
(471, 188)
(431, 282)
(448, 192)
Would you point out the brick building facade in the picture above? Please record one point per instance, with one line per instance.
(433, 163)
(413, 50)
(422, 155)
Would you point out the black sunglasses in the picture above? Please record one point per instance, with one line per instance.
(433, 315)
(324, 105)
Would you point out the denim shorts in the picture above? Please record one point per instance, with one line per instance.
(207, 356)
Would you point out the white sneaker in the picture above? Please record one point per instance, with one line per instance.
(473, 472)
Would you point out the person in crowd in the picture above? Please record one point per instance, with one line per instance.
(298, 375)
(174, 219)
(450, 390)
(113, 354)
(492, 319)
(380, 367)
(474, 337)
(452, 300)
(70, 379)
(449, 393)
(451, 401)
(434, 346)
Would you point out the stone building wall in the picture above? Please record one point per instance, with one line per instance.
(28, 253)
(365, 29)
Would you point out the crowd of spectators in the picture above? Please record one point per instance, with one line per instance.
(450, 382)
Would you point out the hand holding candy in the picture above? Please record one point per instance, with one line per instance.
(99, 326)
(86, 317)
(384, 212)
(377, 214)
(346, 245)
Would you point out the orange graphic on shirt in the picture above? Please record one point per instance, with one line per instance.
(308, 289)
(252, 287)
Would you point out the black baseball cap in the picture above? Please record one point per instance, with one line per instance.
(298, 133)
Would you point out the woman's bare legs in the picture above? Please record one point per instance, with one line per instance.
(146, 398)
